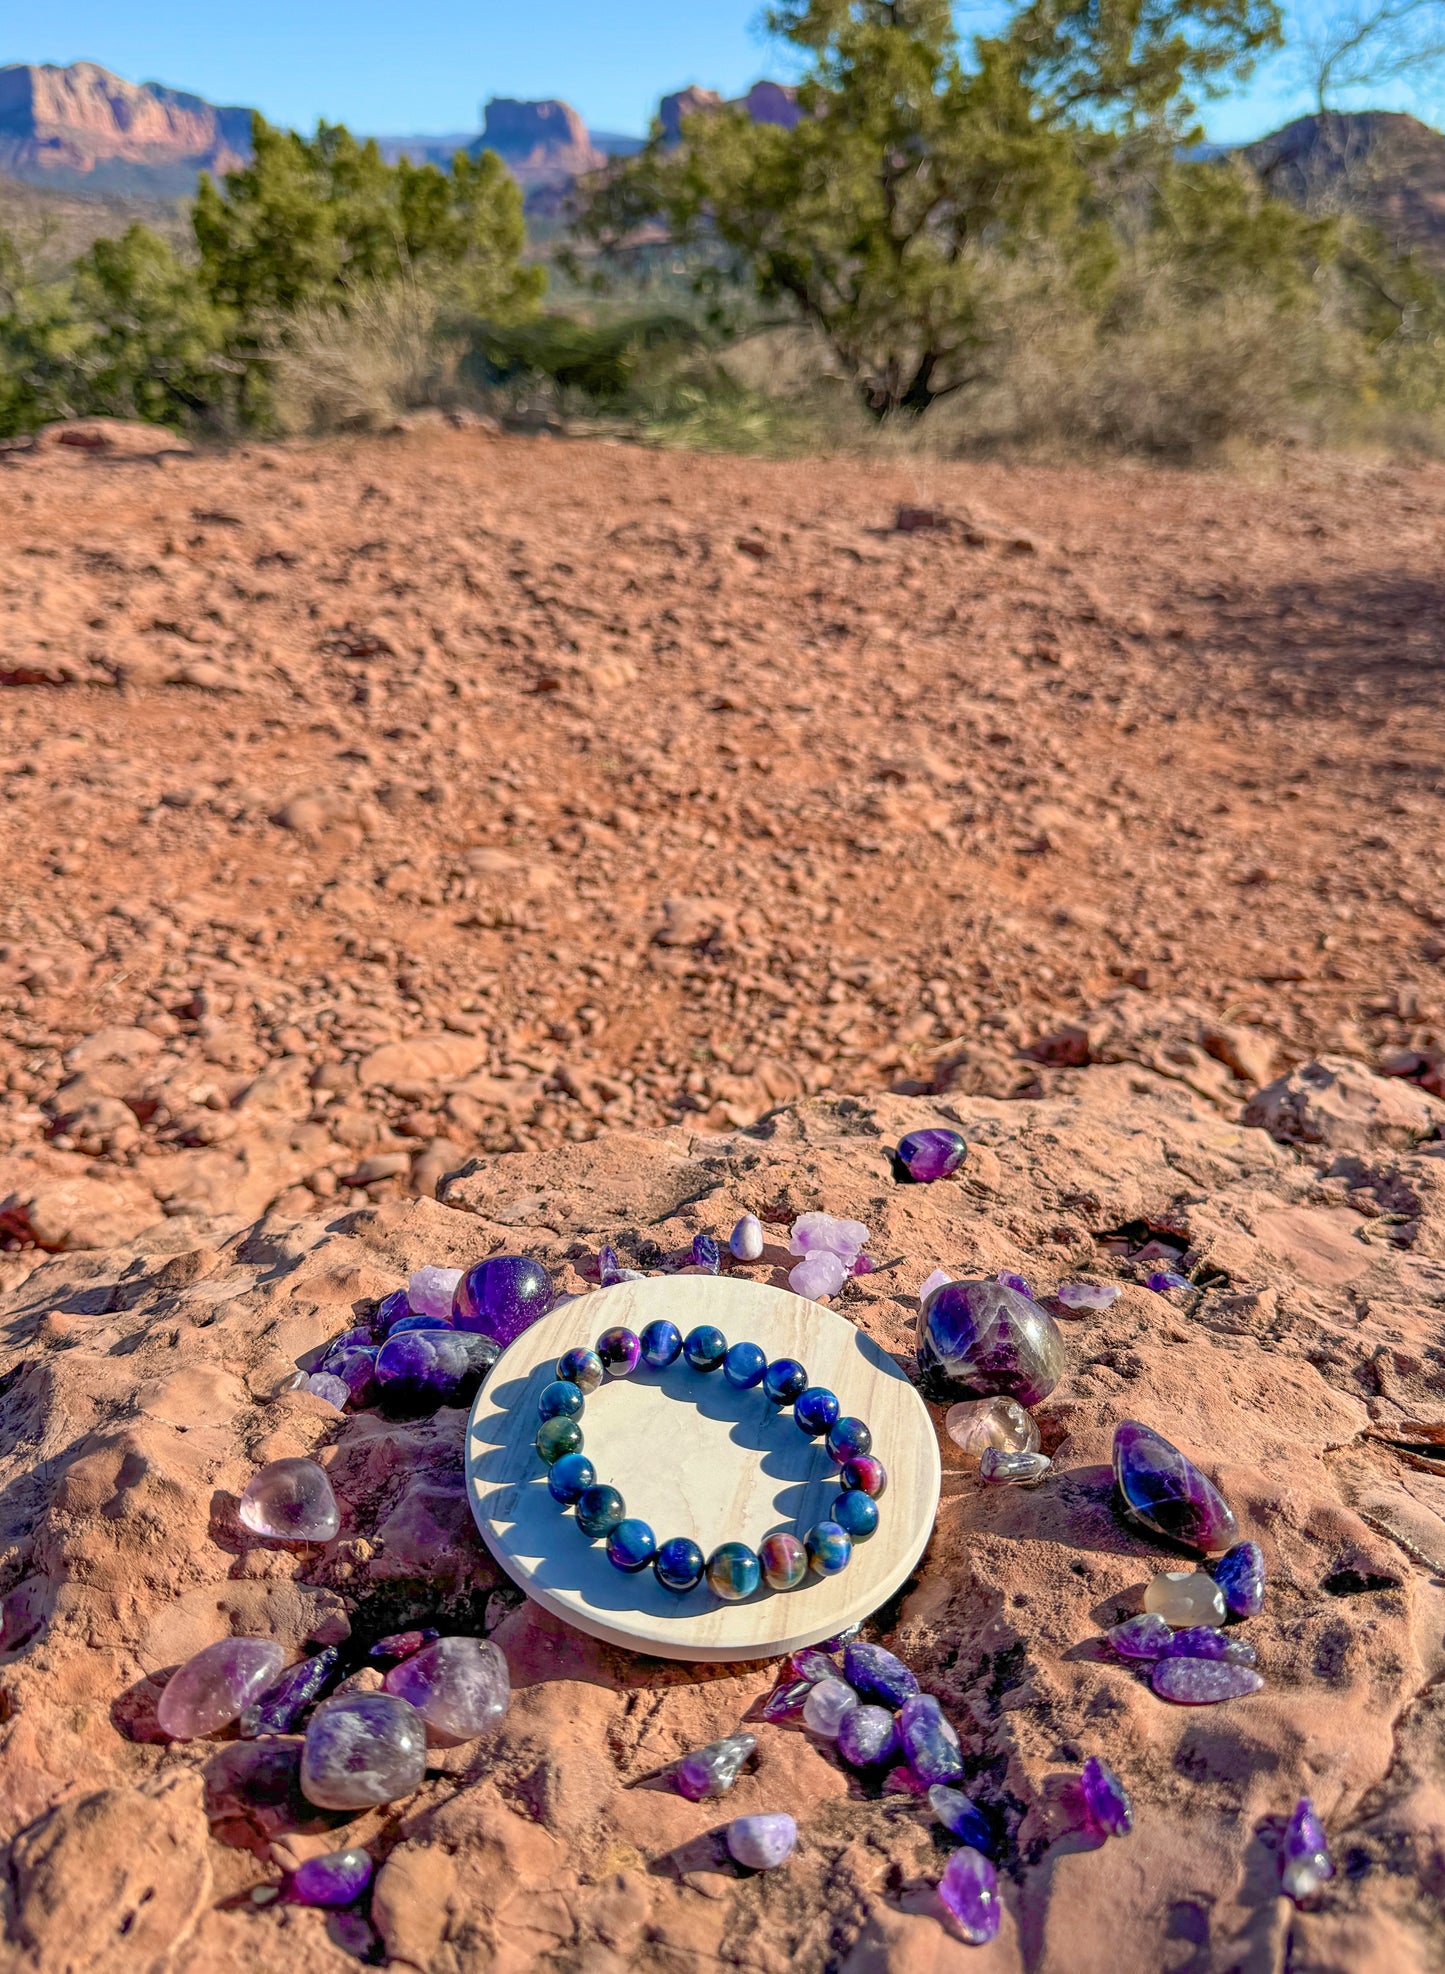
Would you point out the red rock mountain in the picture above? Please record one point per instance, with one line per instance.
(765, 102)
(83, 124)
(540, 143)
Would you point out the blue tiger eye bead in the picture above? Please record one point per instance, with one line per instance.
(847, 1438)
(599, 1510)
(558, 1436)
(581, 1367)
(866, 1473)
(570, 1477)
(678, 1564)
(829, 1548)
(733, 1572)
(705, 1347)
(631, 1545)
(785, 1380)
(783, 1559)
(560, 1399)
(744, 1365)
(815, 1411)
(856, 1514)
(661, 1344)
(619, 1350)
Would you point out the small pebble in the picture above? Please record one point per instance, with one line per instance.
(969, 1891)
(867, 1737)
(1304, 1859)
(927, 1156)
(961, 1816)
(976, 1424)
(1083, 1296)
(762, 1843)
(1002, 1469)
(337, 1879)
(1202, 1682)
(1144, 1637)
(940, 1278)
(877, 1675)
(745, 1242)
(1185, 1597)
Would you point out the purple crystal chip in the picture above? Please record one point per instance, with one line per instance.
(1202, 1682)
(969, 1891)
(321, 1384)
(1304, 1859)
(961, 1816)
(1166, 1492)
(339, 1878)
(1165, 1279)
(1205, 1641)
(1107, 1798)
(929, 1741)
(1144, 1637)
(876, 1674)
(502, 1297)
(281, 1705)
(978, 1338)
(705, 1253)
(1240, 1575)
(927, 1156)
(867, 1737)
(712, 1771)
(391, 1309)
(1015, 1282)
(787, 1699)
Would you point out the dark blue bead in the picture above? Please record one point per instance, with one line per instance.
(856, 1513)
(744, 1366)
(599, 1510)
(679, 1564)
(815, 1410)
(785, 1380)
(847, 1438)
(570, 1477)
(661, 1344)
(560, 1400)
(631, 1545)
(705, 1347)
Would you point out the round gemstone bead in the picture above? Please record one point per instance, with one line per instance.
(761, 1843)
(571, 1476)
(744, 1365)
(930, 1155)
(581, 1367)
(783, 1560)
(217, 1685)
(1185, 1597)
(361, 1749)
(337, 1879)
(502, 1297)
(661, 1344)
(733, 1572)
(290, 1501)
(856, 1514)
(815, 1411)
(847, 1438)
(631, 1545)
(460, 1686)
(560, 1399)
(558, 1436)
(679, 1564)
(620, 1351)
(829, 1548)
(785, 1380)
(599, 1510)
(867, 1474)
(705, 1347)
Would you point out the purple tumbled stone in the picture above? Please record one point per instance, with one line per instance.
(1240, 1575)
(930, 1155)
(1016, 1283)
(459, 1686)
(391, 1309)
(290, 1501)
(787, 1699)
(361, 1749)
(810, 1663)
(961, 1816)
(610, 1270)
(969, 1890)
(705, 1253)
(356, 1368)
(712, 1771)
(281, 1705)
(1204, 1641)
(321, 1384)
(402, 1644)
(1165, 1279)
(1107, 1798)
(1201, 1682)
(978, 1338)
(1165, 1491)
(929, 1741)
(1081, 1296)
(502, 1297)
(761, 1843)
(348, 1340)
(219, 1683)
(1144, 1637)
(867, 1737)
(339, 1878)
(876, 1674)
(419, 1370)
(1304, 1858)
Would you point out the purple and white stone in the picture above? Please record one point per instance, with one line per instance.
(290, 1501)
(337, 1879)
(978, 1338)
(503, 1296)
(929, 1741)
(976, 1424)
(1107, 1798)
(877, 1675)
(1164, 1490)
(961, 1816)
(1240, 1575)
(712, 1771)
(930, 1155)
(1000, 1468)
(361, 1749)
(431, 1291)
(1007, 1279)
(825, 1706)
(745, 1242)
(1147, 1636)
(1305, 1863)
(940, 1278)
(969, 1891)
(867, 1737)
(217, 1685)
(705, 1254)
(821, 1233)
(335, 1391)
(1203, 1682)
(1082, 1297)
(761, 1843)
(403, 1644)
(819, 1276)
(460, 1686)
(281, 1705)
(1203, 1641)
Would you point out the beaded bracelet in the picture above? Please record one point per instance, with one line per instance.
(733, 1571)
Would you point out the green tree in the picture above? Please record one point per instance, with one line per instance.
(909, 163)
(156, 348)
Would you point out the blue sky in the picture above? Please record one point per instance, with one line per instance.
(426, 65)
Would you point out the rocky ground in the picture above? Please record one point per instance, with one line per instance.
(590, 835)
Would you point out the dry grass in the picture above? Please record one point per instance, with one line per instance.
(357, 369)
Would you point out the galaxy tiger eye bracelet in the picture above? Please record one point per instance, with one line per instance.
(733, 1570)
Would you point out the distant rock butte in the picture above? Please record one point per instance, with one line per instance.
(77, 121)
(765, 102)
(538, 142)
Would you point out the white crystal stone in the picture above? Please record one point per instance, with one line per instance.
(818, 1275)
(291, 1501)
(429, 1291)
(825, 1706)
(979, 1423)
(746, 1239)
(1186, 1597)
(815, 1232)
(939, 1279)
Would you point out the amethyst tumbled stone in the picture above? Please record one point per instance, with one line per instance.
(337, 1879)
(1167, 1493)
(761, 1843)
(712, 1771)
(422, 1369)
(502, 1297)
(1107, 1798)
(1202, 1682)
(1240, 1575)
(961, 1816)
(977, 1338)
(877, 1675)
(867, 1737)
(361, 1749)
(281, 1705)
(459, 1686)
(1144, 1637)
(211, 1689)
(929, 1741)
(290, 1501)
(1203, 1641)
(969, 1890)
(1304, 1859)
(929, 1155)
